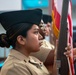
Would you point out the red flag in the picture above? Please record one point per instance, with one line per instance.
(70, 38)
(56, 15)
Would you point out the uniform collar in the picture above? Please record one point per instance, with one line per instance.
(22, 57)
(18, 55)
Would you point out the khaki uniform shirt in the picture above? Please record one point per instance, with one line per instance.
(44, 51)
(19, 64)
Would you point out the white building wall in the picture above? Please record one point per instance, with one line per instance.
(10, 5)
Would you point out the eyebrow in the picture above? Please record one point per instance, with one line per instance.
(36, 28)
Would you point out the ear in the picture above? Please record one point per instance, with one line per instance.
(21, 40)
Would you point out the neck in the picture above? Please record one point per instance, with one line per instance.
(23, 51)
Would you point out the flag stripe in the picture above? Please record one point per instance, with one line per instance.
(56, 18)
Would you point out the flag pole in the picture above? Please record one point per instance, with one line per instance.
(62, 63)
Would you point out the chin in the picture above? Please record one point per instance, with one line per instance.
(36, 50)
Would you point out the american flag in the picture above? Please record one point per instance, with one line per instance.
(70, 38)
(56, 15)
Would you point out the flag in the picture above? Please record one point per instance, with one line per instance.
(70, 38)
(56, 15)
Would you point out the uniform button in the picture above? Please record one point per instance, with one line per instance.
(24, 60)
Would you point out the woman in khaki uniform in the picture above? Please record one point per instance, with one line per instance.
(46, 47)
(22, 33)
(46, 52)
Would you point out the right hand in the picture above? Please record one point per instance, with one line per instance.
(68, 51)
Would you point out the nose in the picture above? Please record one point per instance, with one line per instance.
(40, 37)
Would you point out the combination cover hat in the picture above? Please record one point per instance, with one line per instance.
(12, 18)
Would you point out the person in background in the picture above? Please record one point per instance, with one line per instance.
(22, 33)
(46, 53)
(47, 19)
(49, 29)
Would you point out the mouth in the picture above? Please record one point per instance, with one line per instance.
(40, 42)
